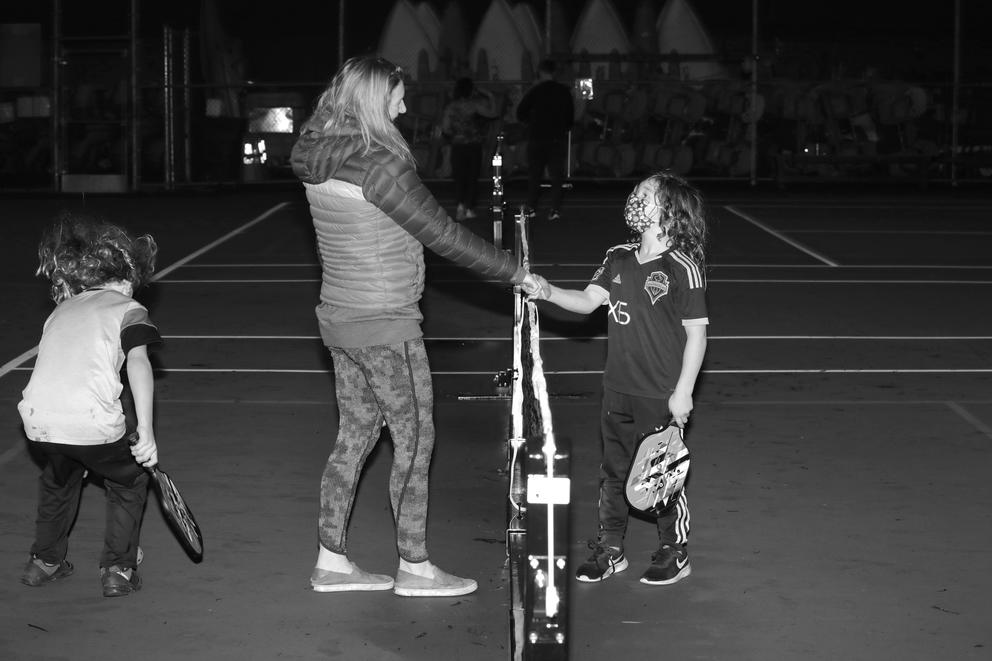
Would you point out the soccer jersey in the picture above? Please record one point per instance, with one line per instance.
(650, 303)
(73, 396)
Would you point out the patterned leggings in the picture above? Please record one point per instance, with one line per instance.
(384, 385)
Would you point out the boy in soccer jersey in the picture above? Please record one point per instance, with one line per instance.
(655, 291)
(71, 407)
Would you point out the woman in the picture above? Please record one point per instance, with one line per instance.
(373, 215)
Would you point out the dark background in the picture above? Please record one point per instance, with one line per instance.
(297, 40)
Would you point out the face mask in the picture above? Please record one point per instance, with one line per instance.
(635, 213)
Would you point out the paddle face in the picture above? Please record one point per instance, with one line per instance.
(178, 514)
(657, 471)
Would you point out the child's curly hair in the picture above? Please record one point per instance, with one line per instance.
(79, 252)
(682, 206)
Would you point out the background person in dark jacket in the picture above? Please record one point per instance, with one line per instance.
(548, 111)
(372, 216)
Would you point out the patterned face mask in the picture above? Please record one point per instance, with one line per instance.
(635, 213)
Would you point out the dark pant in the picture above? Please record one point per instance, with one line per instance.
(60, 488)
(380, 385)
(550, 154)
(466, 165)
(624, 420)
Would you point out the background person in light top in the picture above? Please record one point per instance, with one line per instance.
(654, 290)
(71, 407)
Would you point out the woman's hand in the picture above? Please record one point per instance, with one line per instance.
(536, 287)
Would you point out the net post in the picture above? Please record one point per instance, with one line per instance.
(498, 205)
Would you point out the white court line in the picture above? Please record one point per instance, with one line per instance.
(967, 415)
(825, 370)
(839, 267)
(30, 353)
(263, 265)
(927, 232)
(210, 246)
(586, 338)
(239, 281)
(825, 281)
(780, 236)
(12, 365)
(826, 204)
(805, 281)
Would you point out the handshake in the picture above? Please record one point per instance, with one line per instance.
(536, 287)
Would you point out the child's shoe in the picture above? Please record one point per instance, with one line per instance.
(469, 214)
(669, 564)
(554, 214)
(119, 582)
(604, 562)
(38, 572)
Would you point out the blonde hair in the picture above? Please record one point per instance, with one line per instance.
(358, 97)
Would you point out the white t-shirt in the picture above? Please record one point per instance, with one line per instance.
(73, 396)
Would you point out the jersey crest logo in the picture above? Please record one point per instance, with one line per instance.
(656, 285)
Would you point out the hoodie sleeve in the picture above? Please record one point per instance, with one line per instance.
(311, 156)
(394, 187)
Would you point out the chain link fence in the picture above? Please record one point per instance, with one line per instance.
(157, 109)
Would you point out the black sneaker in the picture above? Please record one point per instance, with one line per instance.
(119, 582)
(669, 564)
(604, 562)
(554, 214)
(529, 213)
(38, 572)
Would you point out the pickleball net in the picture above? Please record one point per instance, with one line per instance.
(539, 492)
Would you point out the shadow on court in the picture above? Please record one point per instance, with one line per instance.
(840, 500)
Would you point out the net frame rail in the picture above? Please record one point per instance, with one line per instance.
(539, 492)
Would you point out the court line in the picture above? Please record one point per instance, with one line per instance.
(263, 265)
(928, 233)
(597, 264)
(826, 370)
(825, 281)
(967, 415)
(804, 281)
(840, 267)
(823, 370)
(780, 236)
(240, 281)
(586, 338)
(210, 246)
(815, 204)
(30, 353)
(12, 365)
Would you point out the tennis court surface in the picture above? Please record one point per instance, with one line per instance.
(842, 440)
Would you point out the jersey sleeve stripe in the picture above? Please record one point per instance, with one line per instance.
(692, 271)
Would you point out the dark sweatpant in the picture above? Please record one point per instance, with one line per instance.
(386, 385)
(624, 420)
(60, 488)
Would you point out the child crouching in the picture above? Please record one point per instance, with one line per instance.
(71, 407)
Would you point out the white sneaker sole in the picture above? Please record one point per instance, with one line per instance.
(437, 592)
(674, 579)
(618, 567)
(351, 587)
